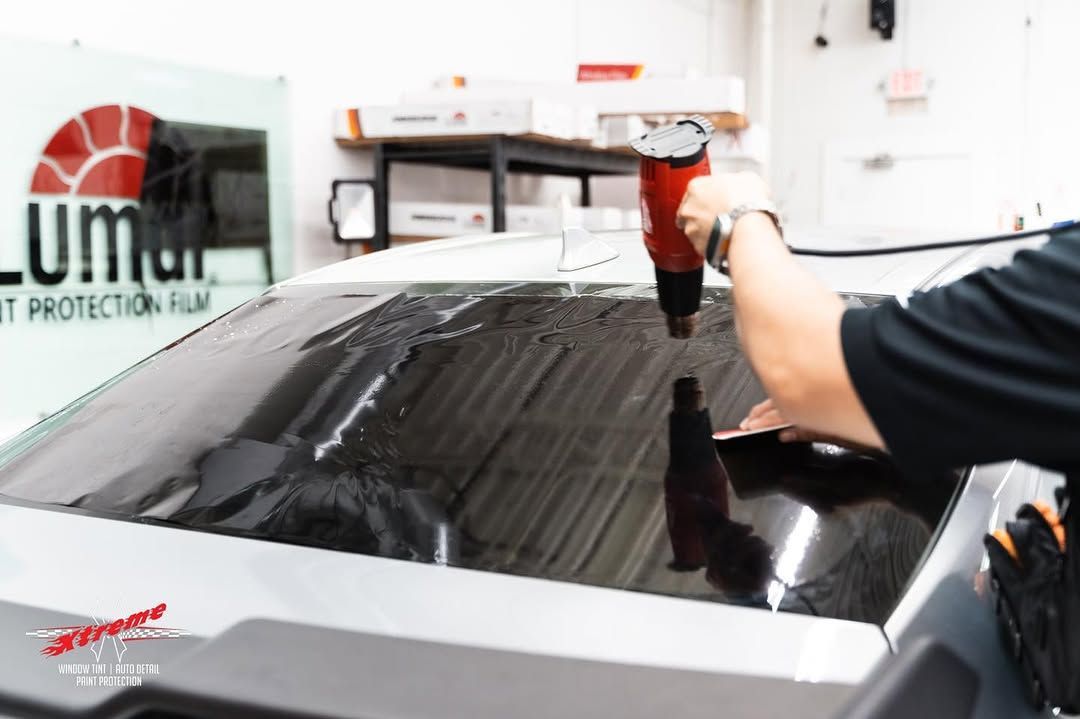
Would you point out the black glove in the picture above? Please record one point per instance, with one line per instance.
(1037, 590)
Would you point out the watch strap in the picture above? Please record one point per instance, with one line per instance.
(714, 241)
(766, 208)
(717, 253)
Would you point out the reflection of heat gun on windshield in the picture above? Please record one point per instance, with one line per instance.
(701, 530)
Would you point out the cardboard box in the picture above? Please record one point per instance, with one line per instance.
(468, 117)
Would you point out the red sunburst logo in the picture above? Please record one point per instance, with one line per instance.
(101, 153)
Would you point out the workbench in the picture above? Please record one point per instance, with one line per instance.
(498, 154)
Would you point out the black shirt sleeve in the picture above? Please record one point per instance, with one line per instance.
(981, 370)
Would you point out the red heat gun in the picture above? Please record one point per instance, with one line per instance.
(671, 156)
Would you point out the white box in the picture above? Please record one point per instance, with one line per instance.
(474, 117)
(346, 124)
(647, 96)
(447, 219)
(665, 96)
(618, 130)
(750, 145)
(596, 219)
(531, 218)
(438, 219)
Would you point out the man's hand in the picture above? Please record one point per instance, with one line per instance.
(781, 312)
(766, 414)
(710, 195)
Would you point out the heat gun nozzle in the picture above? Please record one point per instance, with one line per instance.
(688, 395)
(680, 297)
(682, 328)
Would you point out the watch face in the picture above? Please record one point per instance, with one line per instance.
(726, 223)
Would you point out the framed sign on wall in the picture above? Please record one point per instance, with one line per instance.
(138, 200)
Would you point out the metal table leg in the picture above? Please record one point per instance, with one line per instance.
(586, 193)
(382, 199)
(498, 185)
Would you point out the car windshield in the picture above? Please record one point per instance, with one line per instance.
(551, 431)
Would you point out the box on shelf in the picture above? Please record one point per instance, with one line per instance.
(646, 96)
(438, 219)
(467, 117)
(447, 219)
(525, 218)
(598, 219)
(618, 130)
(603, 71)
(749, 146)
(651, 96)
(569, 111)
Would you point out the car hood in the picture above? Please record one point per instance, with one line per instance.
(80, 564)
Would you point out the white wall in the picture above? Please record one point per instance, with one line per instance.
(999, 85)
(1004, 88)
(347, 53)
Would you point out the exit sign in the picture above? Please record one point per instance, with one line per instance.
(906, 85)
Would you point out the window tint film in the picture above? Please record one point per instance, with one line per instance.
(564, 437)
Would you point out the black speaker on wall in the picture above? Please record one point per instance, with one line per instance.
(883, 17)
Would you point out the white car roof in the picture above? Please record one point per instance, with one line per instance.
(510, 257)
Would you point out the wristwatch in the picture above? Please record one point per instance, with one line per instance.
(724, 226)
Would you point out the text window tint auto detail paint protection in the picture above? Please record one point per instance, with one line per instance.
(525, 434)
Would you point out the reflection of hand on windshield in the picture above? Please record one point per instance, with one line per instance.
(829, 477)
(824, 474)
(696, 498)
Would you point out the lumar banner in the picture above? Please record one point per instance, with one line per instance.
(138, 200)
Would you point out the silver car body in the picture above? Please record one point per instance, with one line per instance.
(73, 564)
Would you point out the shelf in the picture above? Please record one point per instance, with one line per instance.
(450, 139)
(722, 121)
(497, 154)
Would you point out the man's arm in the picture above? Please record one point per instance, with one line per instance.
(788, 322)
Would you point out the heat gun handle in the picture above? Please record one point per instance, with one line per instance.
(663, 186)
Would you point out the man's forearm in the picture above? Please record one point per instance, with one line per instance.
(789, 324)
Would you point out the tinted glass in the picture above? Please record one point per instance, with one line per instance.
(525, 434)
(206, 184)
